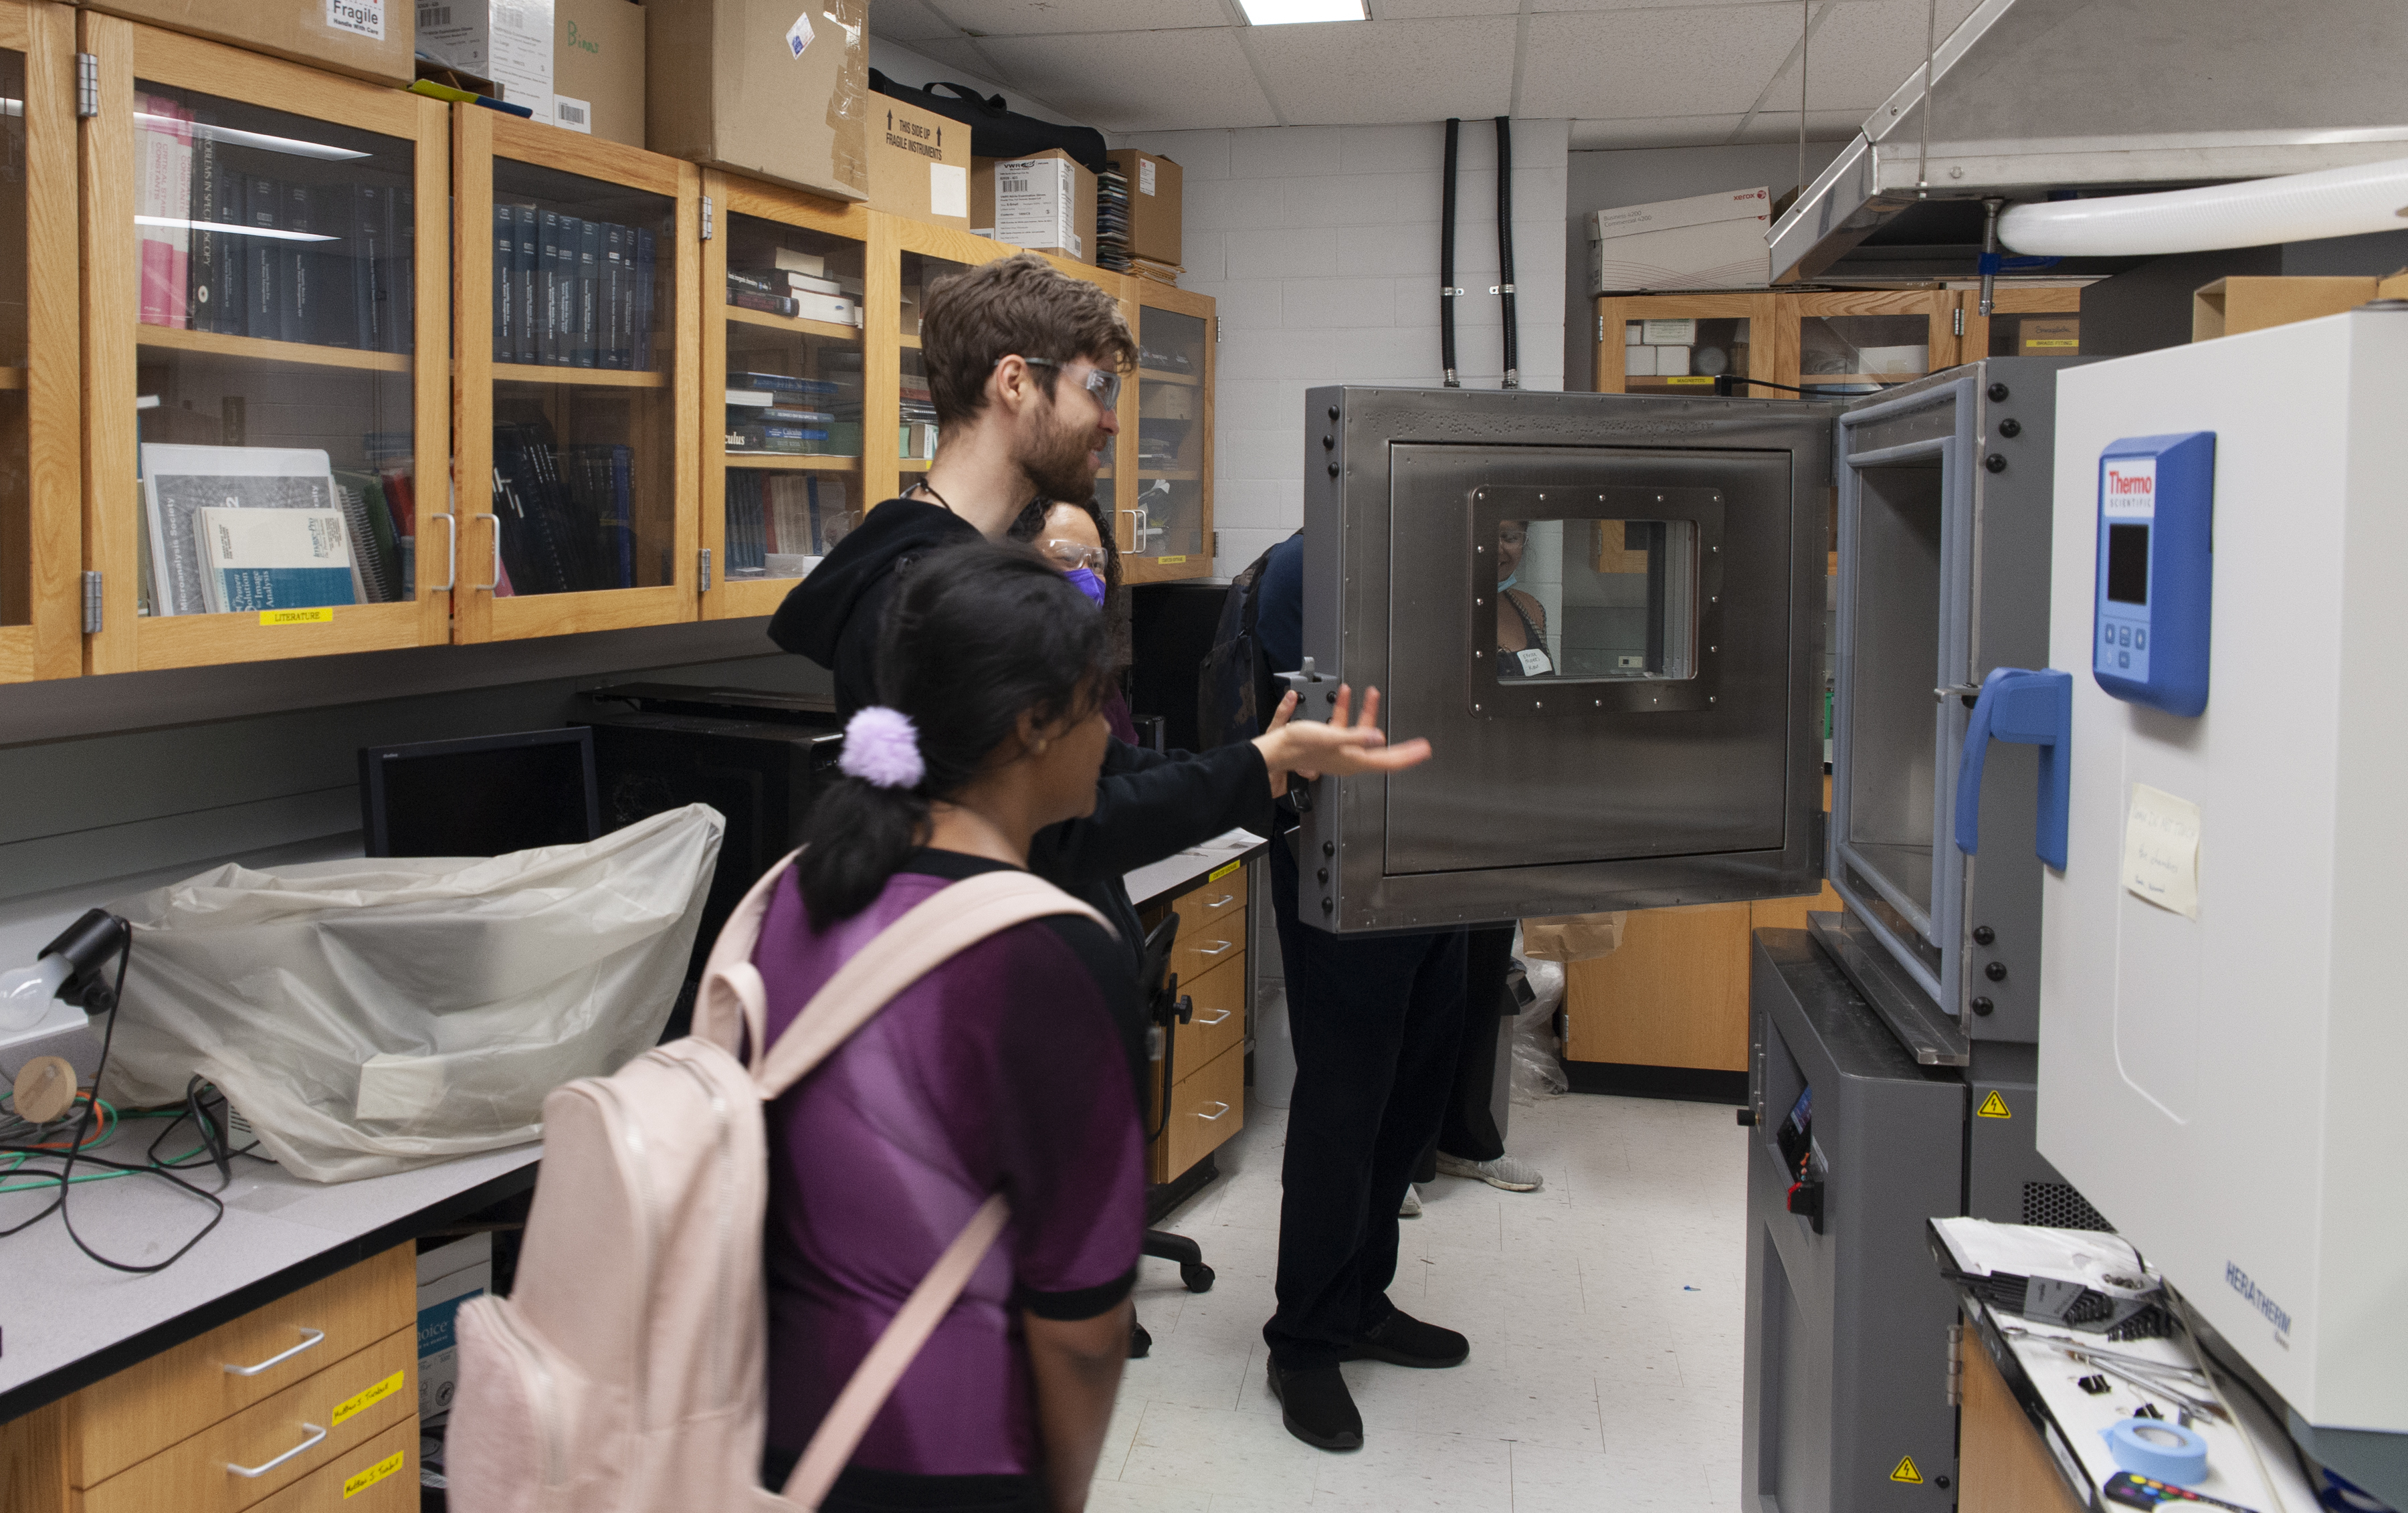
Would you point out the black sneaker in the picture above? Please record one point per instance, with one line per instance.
(1316, 1407)
(1402, 1340)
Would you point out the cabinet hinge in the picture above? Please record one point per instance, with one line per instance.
(92, 602)
(86, 86)
(1216, 330)
(1600, 329)
(1960, 320)
(705, 217)
(1216, 544)
(1956, 1383)
(702, 575)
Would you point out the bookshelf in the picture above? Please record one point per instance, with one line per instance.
(576, 385)
(765, 511)
(40, 513)
(1170, 505)
(258, 281)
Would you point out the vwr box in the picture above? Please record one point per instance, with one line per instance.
(1046, 204)
(448, 1276)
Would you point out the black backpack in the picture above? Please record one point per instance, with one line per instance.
(1237, 691)
(995, 130)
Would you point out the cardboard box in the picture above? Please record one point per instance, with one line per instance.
(919, 165)
(2049, 336)
(508, 41)
(1680, 333)
(1639, 362)
(750, 85)
(598, 69)
(2229, 306)
(1711, 241)
(374, 39)
(1157, 190)
(448, 1276)
(1046, 203)
(2394, 287)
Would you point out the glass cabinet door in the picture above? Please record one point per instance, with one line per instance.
(2044, 321)
(1168, 524)
(576, 340)
(265, 279)
(782, 389)
(1860, 342)
(1680, 344)
(915, 414)
(40, 536)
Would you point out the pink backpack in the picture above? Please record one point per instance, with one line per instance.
(625, 1371)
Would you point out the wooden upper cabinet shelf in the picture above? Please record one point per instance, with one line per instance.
(554, 373)
(1147, 375)
(828, 329)
(259, 350)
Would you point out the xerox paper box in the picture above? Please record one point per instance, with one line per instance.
(1710, 241)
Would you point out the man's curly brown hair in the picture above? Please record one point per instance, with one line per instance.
(1016, 305)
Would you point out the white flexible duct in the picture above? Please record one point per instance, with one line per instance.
(2295, 207)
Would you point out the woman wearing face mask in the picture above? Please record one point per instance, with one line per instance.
(1071, 538)
(1521, 619)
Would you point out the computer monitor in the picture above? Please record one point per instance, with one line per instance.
(487, 795)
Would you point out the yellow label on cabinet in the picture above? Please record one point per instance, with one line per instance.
(319, 616)
(1993, 1106)
(367, 1397)
(1906, 1471)
(1220, 872)
(2054, 342)
(361, 1481)
(1693, 378)
(1168, 561)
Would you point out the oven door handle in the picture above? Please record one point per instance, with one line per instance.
(2030, 708)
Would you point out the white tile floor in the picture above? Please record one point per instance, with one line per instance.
(1604, 1312)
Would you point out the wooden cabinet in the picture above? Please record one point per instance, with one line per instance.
(41, 546)
(1166, 519)
(578, 459)
(783, 412)
(1843, 343)
(2001, 1460)
(1730, 333)
(2023, 321)
(1206, 1100)
(282, 346)
(315, 1395)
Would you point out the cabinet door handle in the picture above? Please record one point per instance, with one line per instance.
(313, 1336)
(1218, 947)
(451, 553)
(1210, 1117)
(316, 1435)
(494, 579)
(1218, 1015)
(1221, 903)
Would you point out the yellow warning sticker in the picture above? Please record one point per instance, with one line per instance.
(361, 1481)
(1906, 1471)
(367, 1397)
(1168, 561)
(322, 615)
(1994, 1107)
(1692, 379)
(1220, 872)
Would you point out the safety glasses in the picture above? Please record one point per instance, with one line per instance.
(1105, 386)
(1070, 555)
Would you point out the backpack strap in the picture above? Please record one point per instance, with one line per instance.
(732, 997)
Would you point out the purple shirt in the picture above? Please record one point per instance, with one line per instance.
(1008, 1069)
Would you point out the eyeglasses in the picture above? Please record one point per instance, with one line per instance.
(1511, 538)
(1105, 386)
(1073, 555)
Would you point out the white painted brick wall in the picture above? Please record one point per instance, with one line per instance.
(1320, 244)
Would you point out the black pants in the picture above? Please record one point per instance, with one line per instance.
(1376, 1021)
(1471, 1127)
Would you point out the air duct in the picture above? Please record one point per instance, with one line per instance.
(2256, 212)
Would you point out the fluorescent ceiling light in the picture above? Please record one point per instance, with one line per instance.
(1288, 12)
(173, 223)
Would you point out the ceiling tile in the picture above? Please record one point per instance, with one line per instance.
(1862, 52)
(1821, 126)
(1351, 73)
(1044, 18)
(1135, 82)
(1424, 9)
(1625, 64)
(1663, 131)
(907, 21)
(1554, 6)
(955, 52)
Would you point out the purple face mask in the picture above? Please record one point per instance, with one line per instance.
(1089, 584)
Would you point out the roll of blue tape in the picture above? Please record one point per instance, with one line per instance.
(2153, 1448)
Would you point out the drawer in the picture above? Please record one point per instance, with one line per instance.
(332, 1413)
(1206, 1108)
(1219, 1021)
(379, 1476)
(1214, 900)
(179, 1391)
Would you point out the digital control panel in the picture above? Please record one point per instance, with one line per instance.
(2156, 517)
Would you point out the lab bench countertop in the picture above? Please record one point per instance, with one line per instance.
(1158, 881)
(66, 1322)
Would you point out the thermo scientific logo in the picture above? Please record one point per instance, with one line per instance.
(2273, 1311)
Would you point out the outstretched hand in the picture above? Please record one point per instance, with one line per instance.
(1342, 748)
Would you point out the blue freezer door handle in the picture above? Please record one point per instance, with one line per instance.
(2033, 709)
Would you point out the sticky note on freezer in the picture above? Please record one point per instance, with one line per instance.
(2161, 850)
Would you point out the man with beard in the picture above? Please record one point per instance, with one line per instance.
(1025, 367)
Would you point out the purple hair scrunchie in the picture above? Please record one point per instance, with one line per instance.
(881, 748)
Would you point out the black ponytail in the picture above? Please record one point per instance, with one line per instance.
(974, 637)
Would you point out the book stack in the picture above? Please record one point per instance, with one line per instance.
(797, 285)
(229, 244)
(392, 462)
(775, 412)
(775, 522)
(1166, 274)
(571, 293)
(1113, 221)
(568, 514)
(236, 529)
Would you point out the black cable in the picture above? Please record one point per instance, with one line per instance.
(1446, 290)
(1505, 247)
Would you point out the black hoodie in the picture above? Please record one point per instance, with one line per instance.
(1149, 804)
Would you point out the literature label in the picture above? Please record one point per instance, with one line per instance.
(319, 616)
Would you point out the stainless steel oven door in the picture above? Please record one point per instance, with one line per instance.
(1604, 612)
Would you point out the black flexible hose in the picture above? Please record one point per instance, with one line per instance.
(1505, 247)
(1446, 264)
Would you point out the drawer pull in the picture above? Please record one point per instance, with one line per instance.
(1221, 903)
(316, 1435)
(1210, 1118)
(1219, 945)
(1218, 1015)
(315, 1336)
